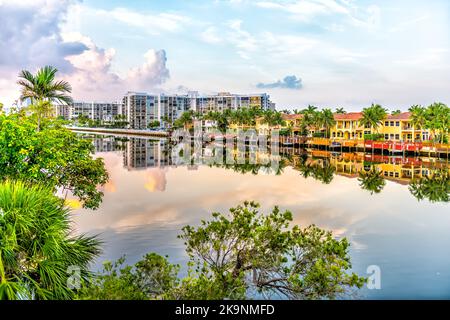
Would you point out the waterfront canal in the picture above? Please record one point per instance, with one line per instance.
(148, 199)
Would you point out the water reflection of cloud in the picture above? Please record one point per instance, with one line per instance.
(156, 179)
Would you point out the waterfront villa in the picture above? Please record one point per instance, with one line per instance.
(291, 121)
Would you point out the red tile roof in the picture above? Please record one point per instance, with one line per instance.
(292, 116)
(348, 116)
(400, 116)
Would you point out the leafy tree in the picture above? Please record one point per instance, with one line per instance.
(371, 181)
(154, 124)
(246, 250)
(36, 248)
(120, 121)
(54, 156)
(245, 253)
(151, 278)
(273, 118)
(83, 120)
(42, 89)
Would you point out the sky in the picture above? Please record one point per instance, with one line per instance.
(328, 53)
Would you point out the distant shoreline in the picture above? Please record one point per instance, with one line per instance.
(159, 134)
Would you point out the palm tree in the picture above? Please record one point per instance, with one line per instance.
(185, 119)
(371, 181)
(438, 119)
(396, 112)
(310, 109)
(326, 120)
(37, 250)
(418, 117)
(341, 111)
(373, 116)
(43, 87)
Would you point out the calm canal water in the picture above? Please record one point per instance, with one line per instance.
(148, 200)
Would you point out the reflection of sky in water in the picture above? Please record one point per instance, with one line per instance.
(143, 211)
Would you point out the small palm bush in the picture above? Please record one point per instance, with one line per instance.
(36, 245)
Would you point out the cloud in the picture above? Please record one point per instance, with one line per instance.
(153, 23)
(210, 35)
(31, 37)
(289, 82)
(152, 73)
(93, 78)
(309, 10)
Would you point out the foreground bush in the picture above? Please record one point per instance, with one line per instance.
(238, 256)
(37, 251)
(53, 156)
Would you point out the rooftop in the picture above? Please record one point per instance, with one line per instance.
(400, 116)
(291, 116)
(348, 116)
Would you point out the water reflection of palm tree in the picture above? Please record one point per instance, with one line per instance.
(371, 180)
(435, 188)
(323, 171)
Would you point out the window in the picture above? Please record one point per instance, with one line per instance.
(386, 136)
(392, 136)
(397, 137)
(396, 174)
(386, 123)
(392, 123)
(397, 123)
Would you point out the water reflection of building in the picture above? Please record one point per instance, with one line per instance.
(395, 168)
(144, 153)
(107, 144)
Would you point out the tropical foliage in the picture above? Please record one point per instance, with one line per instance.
(53, 156)
(435, 188)
(373, 116)
(42, 89)
(371, 180)
(37, 252)
(238, 255)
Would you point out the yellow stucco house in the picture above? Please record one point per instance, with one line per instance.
(348, 127)
(394, 128)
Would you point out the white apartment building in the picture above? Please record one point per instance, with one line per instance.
(142, 108)
(103, 111)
